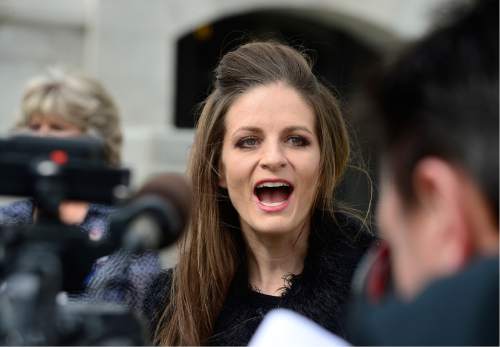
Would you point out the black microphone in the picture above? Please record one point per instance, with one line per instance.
(154, 217)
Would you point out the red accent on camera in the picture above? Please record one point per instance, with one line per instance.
(59, 157)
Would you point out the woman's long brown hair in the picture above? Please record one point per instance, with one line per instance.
(210, 252)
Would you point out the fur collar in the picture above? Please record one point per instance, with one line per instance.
(319, 292)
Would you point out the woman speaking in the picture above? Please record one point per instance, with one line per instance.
(271, 146)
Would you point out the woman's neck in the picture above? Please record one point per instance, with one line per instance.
(71, 212)
(273, 258)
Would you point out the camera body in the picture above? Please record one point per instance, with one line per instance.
(42, 261)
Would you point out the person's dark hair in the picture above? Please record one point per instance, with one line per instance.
(440, 98)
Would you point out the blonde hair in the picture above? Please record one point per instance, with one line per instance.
(211, 249)
(79, 100)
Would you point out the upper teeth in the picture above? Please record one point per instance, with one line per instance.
(273, 185)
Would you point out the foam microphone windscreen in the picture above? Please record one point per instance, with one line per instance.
(172, 188)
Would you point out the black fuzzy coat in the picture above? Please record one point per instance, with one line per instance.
(320, 292)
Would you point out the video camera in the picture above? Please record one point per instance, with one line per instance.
(38, 261)
(75, 166)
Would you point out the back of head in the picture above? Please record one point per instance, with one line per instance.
(438, 108)
(441, 99)
(77, 99)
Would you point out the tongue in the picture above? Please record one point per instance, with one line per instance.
(273, 195)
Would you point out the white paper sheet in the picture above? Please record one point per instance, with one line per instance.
(283, 327)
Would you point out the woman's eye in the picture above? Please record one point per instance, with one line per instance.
(57, 127)
(298, 141)
(34, 126)
(247, 142)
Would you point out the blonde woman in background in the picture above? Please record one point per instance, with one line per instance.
(60, 103)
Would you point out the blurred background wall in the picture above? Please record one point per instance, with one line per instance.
(156, 56)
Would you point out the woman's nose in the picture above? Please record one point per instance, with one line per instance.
(273, 157)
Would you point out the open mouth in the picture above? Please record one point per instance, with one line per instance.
(273, 193)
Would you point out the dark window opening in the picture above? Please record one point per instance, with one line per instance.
(339, 58)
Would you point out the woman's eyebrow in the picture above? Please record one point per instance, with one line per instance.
(295, 128)
(248, 129)
(252, 129)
